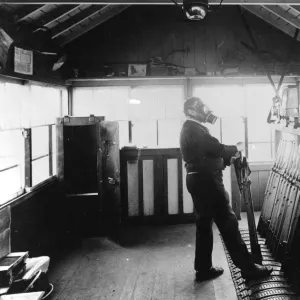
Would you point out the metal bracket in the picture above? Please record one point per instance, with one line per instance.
(66, 119)
(91, 118)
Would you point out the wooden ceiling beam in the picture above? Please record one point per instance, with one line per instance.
(270, 18)
(61, 12)
(153, 2)
(285, 15)
(102, 16)
(75, 20)
(52, 13)
(30, 14)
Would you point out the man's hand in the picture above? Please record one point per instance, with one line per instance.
(240, 146)
(233, 158)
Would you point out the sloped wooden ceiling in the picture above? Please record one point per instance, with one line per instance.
(284, 17)
(69, 19)
(65, 21)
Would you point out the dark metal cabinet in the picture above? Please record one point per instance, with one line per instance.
(88, 164)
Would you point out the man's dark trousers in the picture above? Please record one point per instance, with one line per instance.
(211, 203)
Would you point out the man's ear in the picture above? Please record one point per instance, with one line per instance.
(191, 112)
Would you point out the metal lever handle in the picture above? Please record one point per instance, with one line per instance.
(112, 181)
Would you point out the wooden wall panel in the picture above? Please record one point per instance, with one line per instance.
(5, 219)
(148, 187)
(214, 44)
(133, 188)
(173, 207)
(40, 224)
(5, 242)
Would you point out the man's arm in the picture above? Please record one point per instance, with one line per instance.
(214, 148)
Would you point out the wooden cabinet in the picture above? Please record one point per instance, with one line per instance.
(153, 186)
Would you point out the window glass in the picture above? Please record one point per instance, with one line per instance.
(151, 107)
(144, 134)
(11, 105)
(223, 100)
(233, 130)
(110, 102)
(260, 134)
(231, 102)
(83, 102)
(41, 98)
(123, 133)
(258, 104)
(173, 98)
(168, 133)
(11, 183)
(40, 141)
(64, 103)
(260, 152)
(40, 170)
(11, 163)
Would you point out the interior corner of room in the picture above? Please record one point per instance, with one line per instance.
(91, 107)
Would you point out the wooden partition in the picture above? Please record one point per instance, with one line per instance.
(153, 186)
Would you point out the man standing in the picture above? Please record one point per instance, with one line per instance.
(205, 158)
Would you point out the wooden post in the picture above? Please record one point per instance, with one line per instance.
(70, 101)
(50, 151)
(60, 148)
(28, 157)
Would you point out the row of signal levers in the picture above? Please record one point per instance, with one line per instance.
(279, 221)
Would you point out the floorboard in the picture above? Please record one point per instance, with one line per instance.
(152, 263)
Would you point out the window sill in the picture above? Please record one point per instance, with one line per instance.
(30, 193)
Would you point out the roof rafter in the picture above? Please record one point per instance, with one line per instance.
(51, 15)
(100, 17)
(285, 15)
(272, 19)
(30, 14)
(61, 12)
(75, 20)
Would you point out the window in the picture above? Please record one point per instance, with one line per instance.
(24, 108)
(40, 154)
(168, 133)
(155, 115)
(111, 102)
(11, 164)
(144, 133)
(231, 104)
(260, 136)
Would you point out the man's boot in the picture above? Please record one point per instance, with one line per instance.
(256, 271)
(212, 273)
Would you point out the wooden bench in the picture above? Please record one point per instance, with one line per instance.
(5, 222)
(34, 266)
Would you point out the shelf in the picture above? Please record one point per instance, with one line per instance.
(282, 128)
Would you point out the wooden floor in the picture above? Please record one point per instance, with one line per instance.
(153, 263)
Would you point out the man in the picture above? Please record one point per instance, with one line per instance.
(205, 158)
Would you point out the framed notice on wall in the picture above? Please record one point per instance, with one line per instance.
(23, 61)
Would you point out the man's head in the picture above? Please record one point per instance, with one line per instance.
(195, 108)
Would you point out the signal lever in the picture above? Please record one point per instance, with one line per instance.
(243, 172)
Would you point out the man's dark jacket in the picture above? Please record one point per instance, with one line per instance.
(202, 152)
